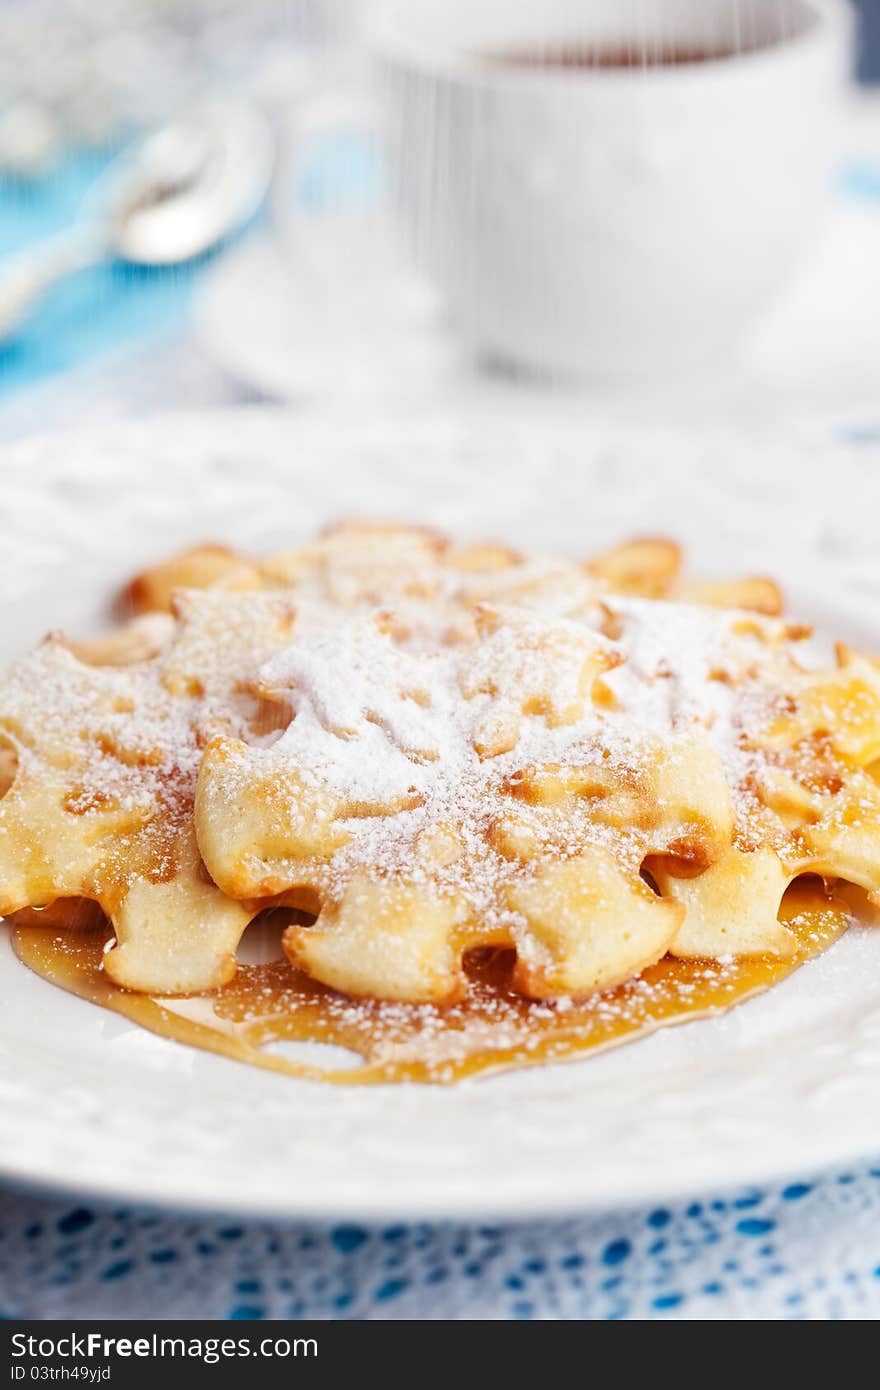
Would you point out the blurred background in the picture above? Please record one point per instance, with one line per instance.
(188, 217)
(869, 61)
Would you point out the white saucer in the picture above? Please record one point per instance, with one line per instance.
(296, 339)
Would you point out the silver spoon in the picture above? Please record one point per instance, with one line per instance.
(192, 183)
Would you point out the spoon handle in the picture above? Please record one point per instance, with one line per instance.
(25, 278)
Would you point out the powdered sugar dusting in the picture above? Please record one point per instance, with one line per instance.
(402, 731)
(118, 747)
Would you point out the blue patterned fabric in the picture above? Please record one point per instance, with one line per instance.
(808, 1249)
(98, 311)
(104, 309)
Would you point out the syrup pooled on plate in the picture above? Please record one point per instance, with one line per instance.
(520, 809)
(493, 1028)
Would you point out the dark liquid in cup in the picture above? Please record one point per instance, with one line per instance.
(578, 54)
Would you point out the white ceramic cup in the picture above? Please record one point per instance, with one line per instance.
(611, 222)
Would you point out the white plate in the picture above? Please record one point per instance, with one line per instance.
(783, 1084)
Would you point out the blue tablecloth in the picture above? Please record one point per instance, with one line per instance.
(95, 312)
(807, 1249)
(104, 309)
